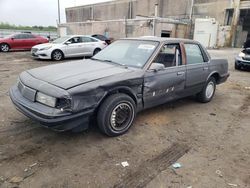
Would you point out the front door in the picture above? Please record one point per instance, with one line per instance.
(167, 84)
(18, 41)
(74, 47)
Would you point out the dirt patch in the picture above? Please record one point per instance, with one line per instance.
(151, 168)
(217, 133)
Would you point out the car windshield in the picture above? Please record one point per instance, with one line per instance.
(60, 40)
(134, 53)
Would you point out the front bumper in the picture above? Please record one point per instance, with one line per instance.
(50, 117)
(41, 54)
(241, 62)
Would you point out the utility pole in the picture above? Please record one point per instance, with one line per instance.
(191, 19)
(59, 18)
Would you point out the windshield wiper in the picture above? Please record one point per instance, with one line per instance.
(107, 60)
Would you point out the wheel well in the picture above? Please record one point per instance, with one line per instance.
(216, 77)
(119, 90)
(97, 48)
(5, 43)
(57, 50)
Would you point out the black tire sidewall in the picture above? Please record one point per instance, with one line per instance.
(237, 67)
(105, 111)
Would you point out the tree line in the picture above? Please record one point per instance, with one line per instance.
(5, 25)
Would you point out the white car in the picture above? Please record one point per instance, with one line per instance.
(68, 46)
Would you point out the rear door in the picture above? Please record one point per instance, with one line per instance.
(89, 46)
(30, 40)
(197, 68)
(167, 84)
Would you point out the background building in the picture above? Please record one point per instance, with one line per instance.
(166, 18)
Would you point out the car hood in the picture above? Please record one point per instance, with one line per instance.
(40, 46)
(71, 74)
(3, 39)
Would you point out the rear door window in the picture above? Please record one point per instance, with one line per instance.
(194, 54)
(88, 39)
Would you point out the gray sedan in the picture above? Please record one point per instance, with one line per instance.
(128, 76)
(68, 46)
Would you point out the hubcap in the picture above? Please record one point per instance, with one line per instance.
(5, 48)
(210, 90)
(121, 116)
(57, 55)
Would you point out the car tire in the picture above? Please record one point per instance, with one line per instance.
(116, 114)
(208, 91)
(57, 55)
(97, 50)
(4, 47)
(236, 67)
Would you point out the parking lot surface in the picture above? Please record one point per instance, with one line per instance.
(210, 141)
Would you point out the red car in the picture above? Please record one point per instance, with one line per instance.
(20, 41)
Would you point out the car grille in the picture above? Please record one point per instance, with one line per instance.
(34, 50)
(247, 58)
(26, 92)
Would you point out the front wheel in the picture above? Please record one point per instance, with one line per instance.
(5, 47)
(208, 91)
(116, 114)
(237, 67)
(57, 55)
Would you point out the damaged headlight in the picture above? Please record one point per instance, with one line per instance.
(46, 99)
(63, 104)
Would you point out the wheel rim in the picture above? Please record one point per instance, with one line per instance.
(121, 116)
(210, 90)
(57, 55)
(4, 47)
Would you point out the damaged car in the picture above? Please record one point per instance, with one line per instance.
(126, 77)
(243, 59)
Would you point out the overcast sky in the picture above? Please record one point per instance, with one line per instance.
(36, 12)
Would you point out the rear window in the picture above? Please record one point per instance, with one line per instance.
(194, 54)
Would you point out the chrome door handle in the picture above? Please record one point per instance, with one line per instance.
(180, 73)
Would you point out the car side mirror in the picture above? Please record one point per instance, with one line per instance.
(67, 43)
(156, 67)
(12, 38)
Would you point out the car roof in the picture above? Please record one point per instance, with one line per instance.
(161, 39)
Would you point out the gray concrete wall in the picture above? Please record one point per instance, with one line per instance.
(211, 8)
(120, 9)
(129, 28)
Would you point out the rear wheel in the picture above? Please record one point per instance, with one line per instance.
(5, 47)
(57, 55)
(208, 91)
(116, 114)
(97, 50)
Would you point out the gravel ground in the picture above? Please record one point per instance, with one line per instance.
(211, 141)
